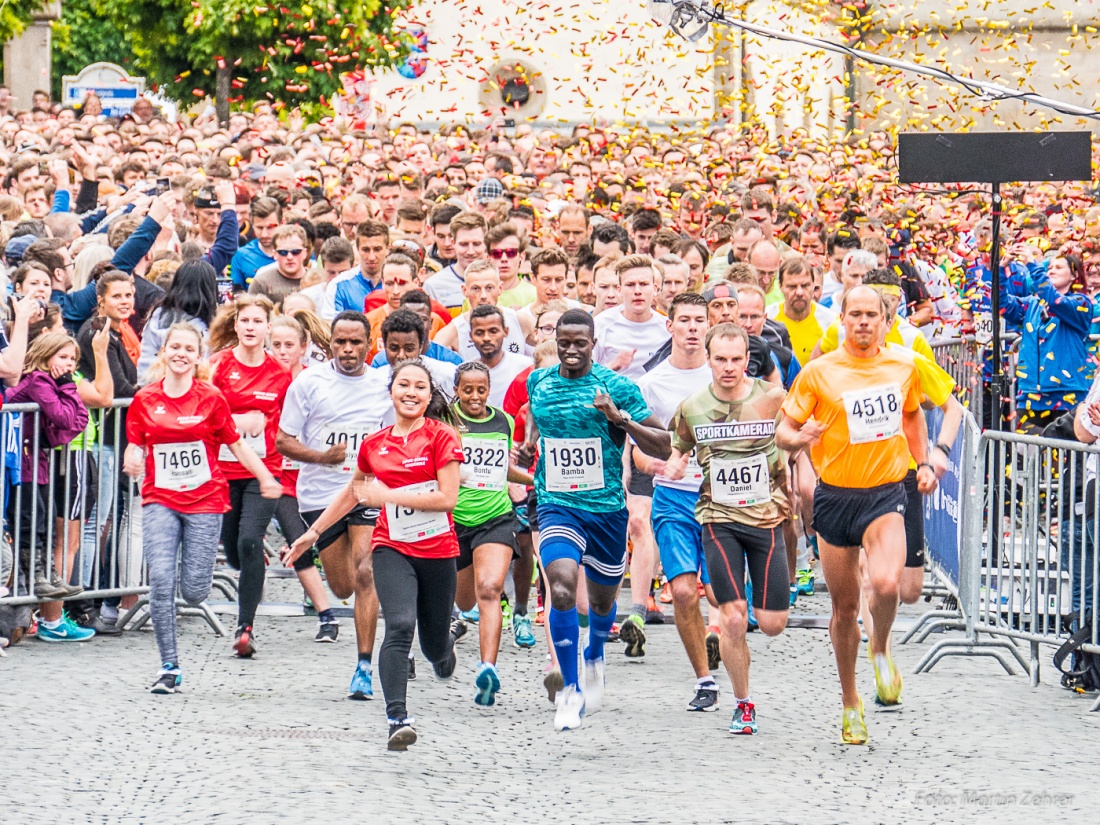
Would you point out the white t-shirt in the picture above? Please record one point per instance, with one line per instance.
(615, 333)
(445, 286)
(503, 374)
(664, 389)
(513, 342)
(316, 293)
(322, 404)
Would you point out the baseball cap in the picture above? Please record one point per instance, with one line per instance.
(16, 248)
(488, 189)
(255, 171)
(722, 289)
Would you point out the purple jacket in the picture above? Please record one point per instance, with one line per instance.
(62, 418)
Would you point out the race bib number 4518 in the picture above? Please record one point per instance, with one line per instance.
(873, 414)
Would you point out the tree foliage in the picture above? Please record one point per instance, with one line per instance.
(16, 15)
(81, 37)
(291, 51)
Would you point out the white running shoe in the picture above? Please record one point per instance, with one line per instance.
(570, 709)
(594, 682)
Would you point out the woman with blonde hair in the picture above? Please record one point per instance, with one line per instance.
(86, 261)
(176, 427)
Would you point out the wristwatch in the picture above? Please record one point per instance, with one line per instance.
(625, 415)
(944, 448)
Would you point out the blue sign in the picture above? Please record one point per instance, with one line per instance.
(941, 509)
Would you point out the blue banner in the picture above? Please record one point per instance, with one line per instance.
(941, 509)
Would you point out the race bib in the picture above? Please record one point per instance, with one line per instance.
(874, 414)
(743, 482)
(694, 471)
(291, 465)
(413, 526)
(352, 436)
(983, 327)
(486, 464)
(258, 443)
(180, 467)
(573, 464)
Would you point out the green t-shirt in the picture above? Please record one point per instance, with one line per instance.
(486, 445)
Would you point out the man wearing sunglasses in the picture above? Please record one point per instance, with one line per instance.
(507, 252)
(291, 253)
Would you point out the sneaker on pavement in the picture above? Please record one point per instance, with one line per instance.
(706, 698)
(522, 633)
(168, 679)
(327, 632)
(714, 650)
(569, 705)
(794, 594)
(653, 612)
(102, 627)
(744, 719)
(401, 734)
(632, 634)
(244, 645)
(458, 629)
(487, 683)
(472, 615)
(362, 683)
(66, 631)
(887, 685)
(805, 582)
(594, 682)
(853, 728)
(553, 681)
(505, 611)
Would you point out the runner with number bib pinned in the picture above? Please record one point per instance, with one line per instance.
(485, 520)
(580, 416)
(175, 428)
(254, 384)
(329, 412)
(411, 471)
(858, 411)
(742, 503)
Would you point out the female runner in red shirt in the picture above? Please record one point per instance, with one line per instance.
(175, 428)
(411, 471)
(255, 385)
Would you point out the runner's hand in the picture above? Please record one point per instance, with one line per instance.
(270, 488)
(335, 454)
(622, 360)
(939, 462)
(292, 552)
(604, 404)
(676, 468)
(809, 433)
(250, 423)
(523, 455)
(926, 480)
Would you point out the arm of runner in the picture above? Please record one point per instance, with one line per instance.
(952, 418)
(269, 487)
(343, 504)
(792, 436)
(290, 447)
(650, 436)
(524, 454)
(250, 423)
(518, 476)
(916, 434)
(377, 494)
(648, 464)
(676, 466)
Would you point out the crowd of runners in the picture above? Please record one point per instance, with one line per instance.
(457, 363)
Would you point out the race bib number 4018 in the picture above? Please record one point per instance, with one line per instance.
(873, 414)
(351, 436)
(573, 464)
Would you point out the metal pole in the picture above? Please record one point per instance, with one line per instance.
(997, 386)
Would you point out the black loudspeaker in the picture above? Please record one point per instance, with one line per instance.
(994, 157)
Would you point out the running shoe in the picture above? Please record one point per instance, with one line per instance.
(445, 667)
(706, 698)
(523, 635)
(805, 582)
(553, 682)
(569, 706)
(244, 645)
(458, 629)
(854, 729)
(594, 682)
(794, 594)
(168, 679)
(327, 632)
(714, 649)
(471, 615)
(66, 631)
(887, 690)
(362, 683)
(505, 611)
(412, 669)
(632, 632)
(613, 636)
(752, 615)
(743, 722)
(488, 683)
(401, 734)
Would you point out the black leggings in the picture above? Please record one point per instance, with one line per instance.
(243, 530)
(415, 594)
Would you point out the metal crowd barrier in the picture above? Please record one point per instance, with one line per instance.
(964, 358)
(1029, 566)
(77, 519)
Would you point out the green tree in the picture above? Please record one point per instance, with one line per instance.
(81, 37)
(236, 50)
(16, 15)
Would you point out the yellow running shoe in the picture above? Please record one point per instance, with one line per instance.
(854, 729)
(887, 691)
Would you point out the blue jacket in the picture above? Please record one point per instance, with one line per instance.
(1052, 368)
(246, 261)
(352, 293)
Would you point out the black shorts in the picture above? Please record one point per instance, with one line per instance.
(843, 514)
(499, 530)
(360, 515)
(729, 547)
(914, 522)
(75, 481)
(641, 484)
(527, 513)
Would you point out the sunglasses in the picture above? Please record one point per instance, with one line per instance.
(503, 253)
(283, 253)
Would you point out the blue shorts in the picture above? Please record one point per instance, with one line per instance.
(679, 535)
(595, 540)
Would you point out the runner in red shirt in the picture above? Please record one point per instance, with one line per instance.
(411, 471)
(175, 428)
(254, 385)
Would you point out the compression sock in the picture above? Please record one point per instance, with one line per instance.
(582, 619)
(327, 616)
(566, 632)
(638, 610)
(597, 636)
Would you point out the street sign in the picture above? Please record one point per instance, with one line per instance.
(117, 90)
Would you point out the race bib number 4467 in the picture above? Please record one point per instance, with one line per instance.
(873, 414)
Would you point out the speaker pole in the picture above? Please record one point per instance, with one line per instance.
(997, 386)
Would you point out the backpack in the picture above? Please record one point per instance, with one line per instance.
(1083, 675)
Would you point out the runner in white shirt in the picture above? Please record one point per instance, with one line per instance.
(328, 412)
(405, 336)
(679, 539)
(481, 288)
(488, 330)
(445, 286)
(548, 276)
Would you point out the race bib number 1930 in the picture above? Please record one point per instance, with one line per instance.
(873, 414)
(573, 464)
